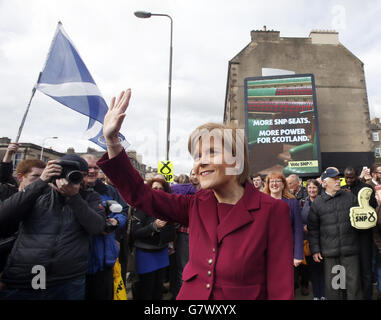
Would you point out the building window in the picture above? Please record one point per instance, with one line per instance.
(18, 159)
(375, 136)
(378, 152)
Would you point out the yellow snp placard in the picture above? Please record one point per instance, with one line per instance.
(363, 216)
(306, 163)
(166, 169)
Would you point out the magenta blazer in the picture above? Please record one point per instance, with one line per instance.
(248, 256)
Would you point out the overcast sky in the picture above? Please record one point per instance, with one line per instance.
(122, 51)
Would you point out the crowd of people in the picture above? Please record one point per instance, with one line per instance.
(79, 241)
(211, 235)
(328, 238)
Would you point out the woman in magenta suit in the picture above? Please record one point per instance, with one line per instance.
(240, 240)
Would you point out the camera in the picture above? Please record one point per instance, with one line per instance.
(70, 171)
(115, 207)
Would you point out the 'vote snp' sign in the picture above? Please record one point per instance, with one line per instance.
(166, 169)
(364, 216)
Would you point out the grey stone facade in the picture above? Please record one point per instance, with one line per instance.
(342, 103)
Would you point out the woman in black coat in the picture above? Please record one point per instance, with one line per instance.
(151, 237)
(315, 269)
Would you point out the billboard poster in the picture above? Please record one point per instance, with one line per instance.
(282, 125)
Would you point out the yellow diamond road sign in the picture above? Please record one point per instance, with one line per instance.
(166, 169)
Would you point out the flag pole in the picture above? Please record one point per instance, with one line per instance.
(35, 87)
(27, 109)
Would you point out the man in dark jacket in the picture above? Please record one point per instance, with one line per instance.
(354, 185)
(56, 221)
(333, 240)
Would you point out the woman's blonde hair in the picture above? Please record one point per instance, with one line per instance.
(286, 190)
(230, 136)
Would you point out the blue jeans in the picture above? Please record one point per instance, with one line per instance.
(71, 290)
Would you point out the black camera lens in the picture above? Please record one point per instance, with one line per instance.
(74, 177)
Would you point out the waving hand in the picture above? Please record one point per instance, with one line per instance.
(113, 121)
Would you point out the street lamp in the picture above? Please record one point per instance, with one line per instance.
(143, 15)
(43, 143)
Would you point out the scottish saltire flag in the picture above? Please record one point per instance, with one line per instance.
(66, 79)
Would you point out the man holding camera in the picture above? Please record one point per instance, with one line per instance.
(49, 259)
(104, 248)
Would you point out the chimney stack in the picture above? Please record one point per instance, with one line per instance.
(324, 37)
(264, 35)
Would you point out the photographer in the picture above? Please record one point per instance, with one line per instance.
(104, 248)
(56, 221)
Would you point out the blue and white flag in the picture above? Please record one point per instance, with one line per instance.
(66, 79)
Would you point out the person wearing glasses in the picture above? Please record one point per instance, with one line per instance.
(333, 240)
(105, 248)
(277, 187)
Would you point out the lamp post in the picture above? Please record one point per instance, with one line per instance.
(144, 15)
(43, 143)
